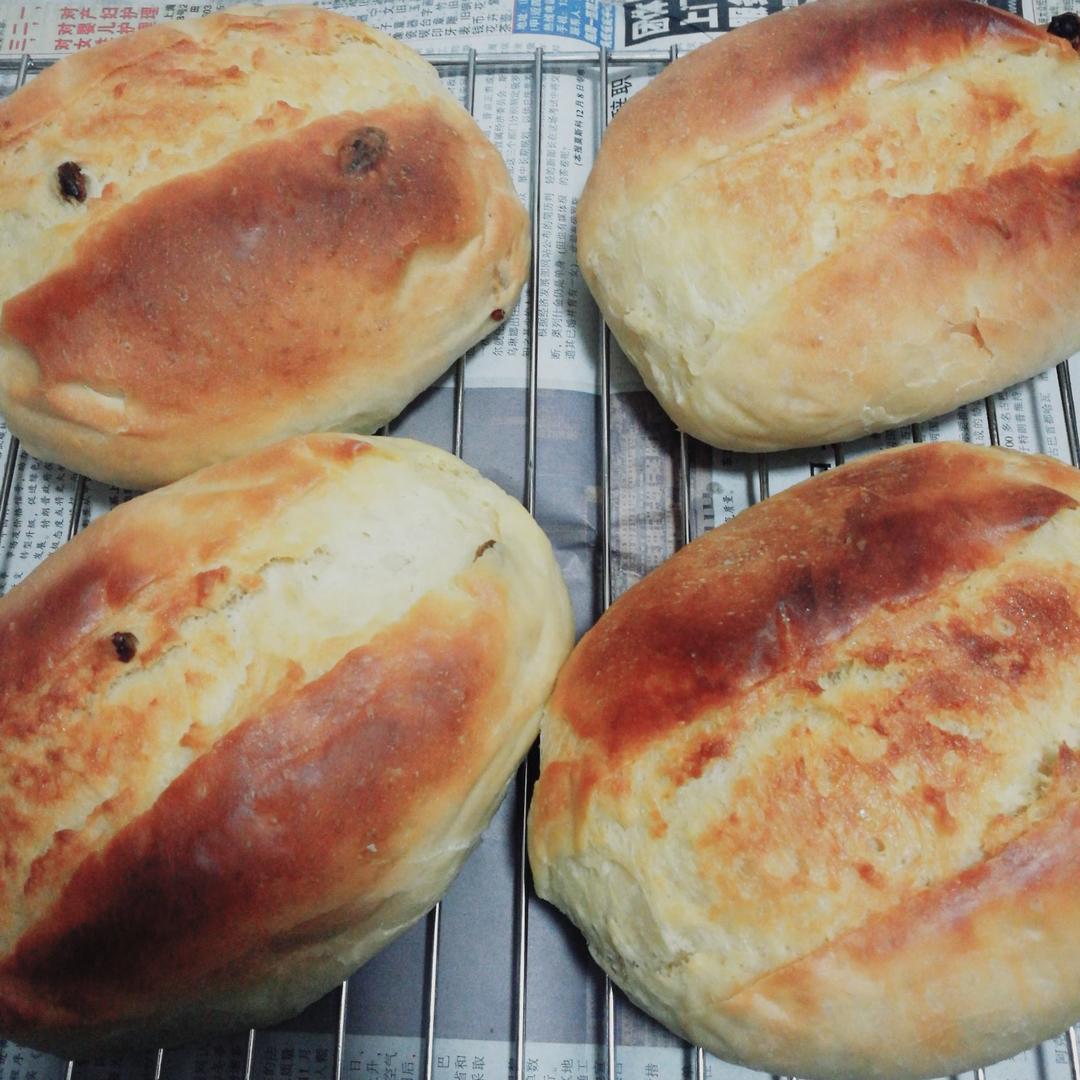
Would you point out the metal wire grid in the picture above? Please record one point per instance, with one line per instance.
(534, 65)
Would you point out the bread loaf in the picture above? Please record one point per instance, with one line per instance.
(219, 233)
(812, 788)
(250, 727)
(844, 217)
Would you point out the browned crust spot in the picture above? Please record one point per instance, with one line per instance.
(770, 591)
(803, 57)
(47, 622)
(288, 813)
(168, 300)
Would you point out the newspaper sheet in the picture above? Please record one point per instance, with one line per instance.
(477, 977)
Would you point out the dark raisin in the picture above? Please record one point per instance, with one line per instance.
(498, 314)
(362, 151)
(72, 182)
(482, 548)
(126, 645)
(1066, 25)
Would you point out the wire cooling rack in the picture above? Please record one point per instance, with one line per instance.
(536, 65)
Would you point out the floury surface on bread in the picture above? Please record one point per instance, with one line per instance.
(223, 232)
(842, 218)
(250, 726)
(811, 789)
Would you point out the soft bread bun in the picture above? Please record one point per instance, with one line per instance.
(250, 727)
(812, 788)
(841, 218)
(219, 233)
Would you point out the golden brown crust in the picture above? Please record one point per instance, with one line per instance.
(913, 524)
(46, 618)
(288, 224)
(810, 789)
(47, 94)
(1015, 912)
(249, 845)
(250, 726)
(777, 68)
(161, 51)
(842, 218)
(268, 236)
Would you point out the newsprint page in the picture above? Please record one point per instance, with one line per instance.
(547, 129)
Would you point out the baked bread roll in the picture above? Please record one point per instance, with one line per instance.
(219, 233)
(250, 727)
(841, 218)
(812, 788)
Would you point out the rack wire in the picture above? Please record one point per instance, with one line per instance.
(535, 65)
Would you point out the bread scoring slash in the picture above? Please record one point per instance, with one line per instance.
(846, 217)
(811, 789)
(220, 233)
(251, 725)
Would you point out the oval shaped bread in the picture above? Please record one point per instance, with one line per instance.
(286, 224)
(841, 218)
(250, 727)
(812, 788)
